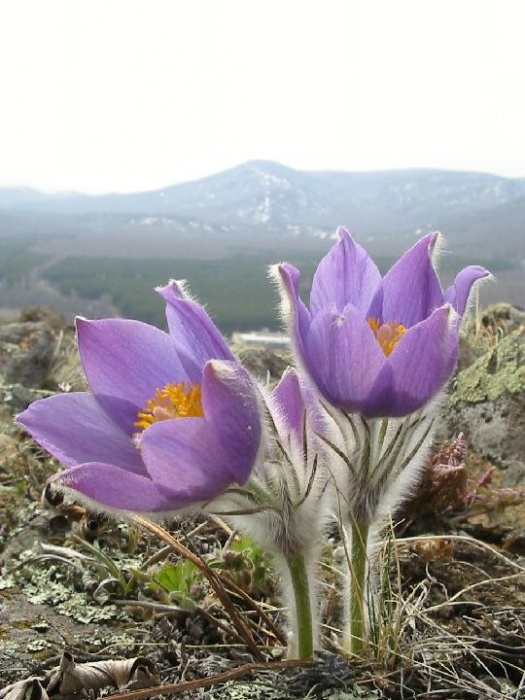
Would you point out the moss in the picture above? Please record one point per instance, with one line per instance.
(499, 371)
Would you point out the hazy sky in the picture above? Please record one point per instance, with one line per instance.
(121, 95)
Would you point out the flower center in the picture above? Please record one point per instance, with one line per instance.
(387, 335)
(174, 401)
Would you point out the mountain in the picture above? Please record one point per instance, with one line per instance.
(263, 196)
(272, 194)
(19, 197)
(254, 193)
(499, 232)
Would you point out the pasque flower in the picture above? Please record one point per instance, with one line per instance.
(171, 421)
(379, 350)
(378, 346)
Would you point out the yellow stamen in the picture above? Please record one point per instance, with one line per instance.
(174, 401)
(387, 335)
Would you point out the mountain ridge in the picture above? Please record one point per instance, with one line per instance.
(261, 195)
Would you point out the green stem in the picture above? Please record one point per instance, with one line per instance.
(358, 575)
(303, 606)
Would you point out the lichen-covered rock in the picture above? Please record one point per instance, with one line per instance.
(504, 316)
(484, 330)
(497, 372)
(488, 404)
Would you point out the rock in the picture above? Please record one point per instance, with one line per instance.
(488, 403)
(26, 350)
(467, 353)
(18, 398)
(264, 363)
(504, 316)
(486, 329)
(46, 314)
(515, 473)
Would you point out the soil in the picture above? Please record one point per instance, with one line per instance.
(455, 606)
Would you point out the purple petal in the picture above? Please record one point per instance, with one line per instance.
(125, 363)
(295, 313)
(457, 295)
(346, 275)
(199, 457)
(184, 457)
(75, 429)
(294, 407)
(195, 336)
(232, 408)
(411, 287)
(105, 486)
(345, 360)
(288, 408)
(424, 360)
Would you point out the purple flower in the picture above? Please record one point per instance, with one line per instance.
(377, 346)
(172, 419)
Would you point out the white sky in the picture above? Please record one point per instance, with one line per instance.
(121, 95)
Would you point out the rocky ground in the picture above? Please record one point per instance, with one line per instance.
(104, 592)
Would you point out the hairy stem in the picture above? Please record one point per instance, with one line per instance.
(303, 632)
(356, 631)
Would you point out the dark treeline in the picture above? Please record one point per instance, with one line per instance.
(235, 289)
(16, 261)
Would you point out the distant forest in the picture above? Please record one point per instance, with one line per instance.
(234, 288)
(16, 261)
